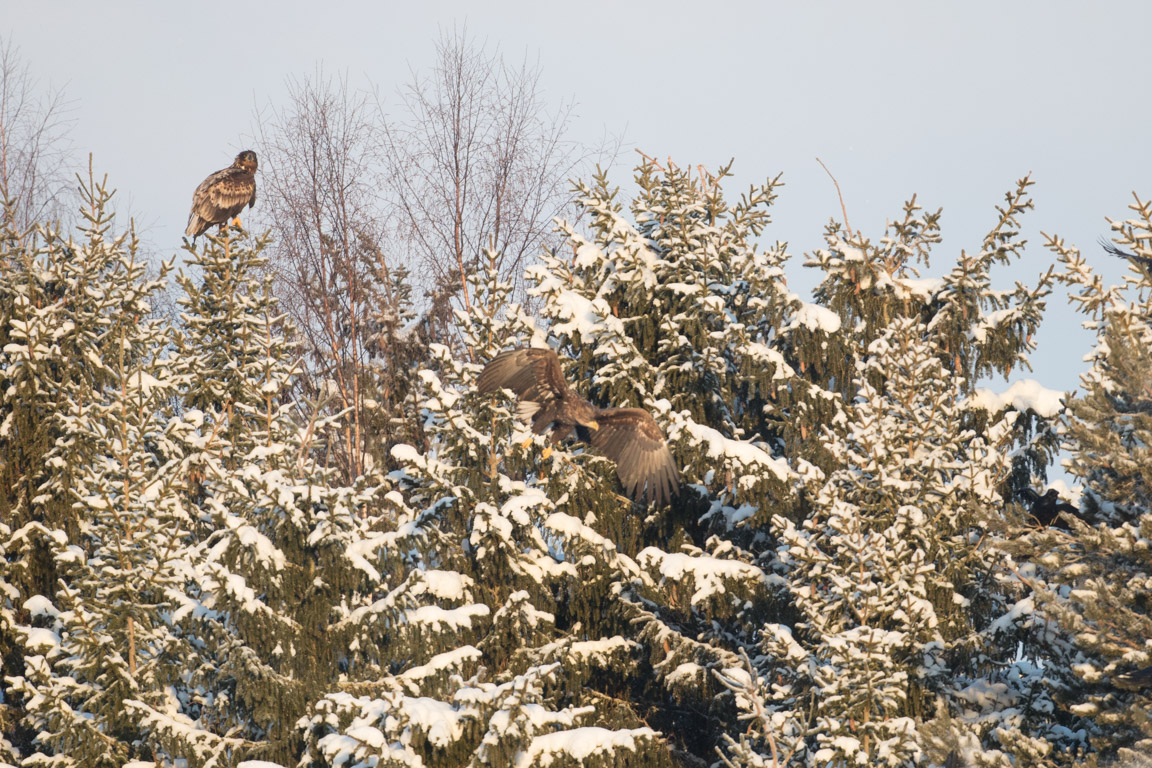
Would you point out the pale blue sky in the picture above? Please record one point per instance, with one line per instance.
(950, 101)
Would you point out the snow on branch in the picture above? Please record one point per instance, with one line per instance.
(814, 317)
(716, 446)
(709, 574)
(579, 744)
(769, 357)
(572, 528)
(1023, 395)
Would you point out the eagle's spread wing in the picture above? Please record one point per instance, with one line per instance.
(219, 198)
(628, 436)
(1029, 495)
(632, 438)
(533, 374)
(1135, 257)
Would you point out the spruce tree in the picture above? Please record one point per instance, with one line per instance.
(275, 562)
(50, 323)
(493, 563)
(1098, 594)
(680, 313)
(673, 308)
(93, 639)
(878, 569)
(903, 613)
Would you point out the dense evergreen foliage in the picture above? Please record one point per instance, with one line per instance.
(188, 577)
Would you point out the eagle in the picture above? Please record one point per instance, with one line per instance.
(1133, 257)
(222, 195)
(1046, 509)
(628, 436)
(1134, 680)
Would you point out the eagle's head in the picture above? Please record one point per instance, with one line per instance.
(246, 160)
(580, 411)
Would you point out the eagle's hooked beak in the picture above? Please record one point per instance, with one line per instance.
(593, 425)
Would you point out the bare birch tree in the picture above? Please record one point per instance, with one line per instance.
(320, 182)
(477, 158)
(34, 150)
(357, 201)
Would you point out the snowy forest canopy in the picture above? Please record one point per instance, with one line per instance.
(847, 577)
(253, 509)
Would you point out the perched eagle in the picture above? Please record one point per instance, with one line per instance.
(1046, 509)
(222, 196)
(628, 436)
(1135, 257)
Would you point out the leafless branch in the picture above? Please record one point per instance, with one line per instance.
(843, 208)
(319, 189)
(34, 147)
(477, 159)
(357, 201)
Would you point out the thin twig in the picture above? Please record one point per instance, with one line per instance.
(843, 208)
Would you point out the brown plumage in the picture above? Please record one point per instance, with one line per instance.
(222, 196)
(628, 436)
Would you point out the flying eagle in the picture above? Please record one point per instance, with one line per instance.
(628, 436)
(1046, 509)
(1134, 257)
(222, 196)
